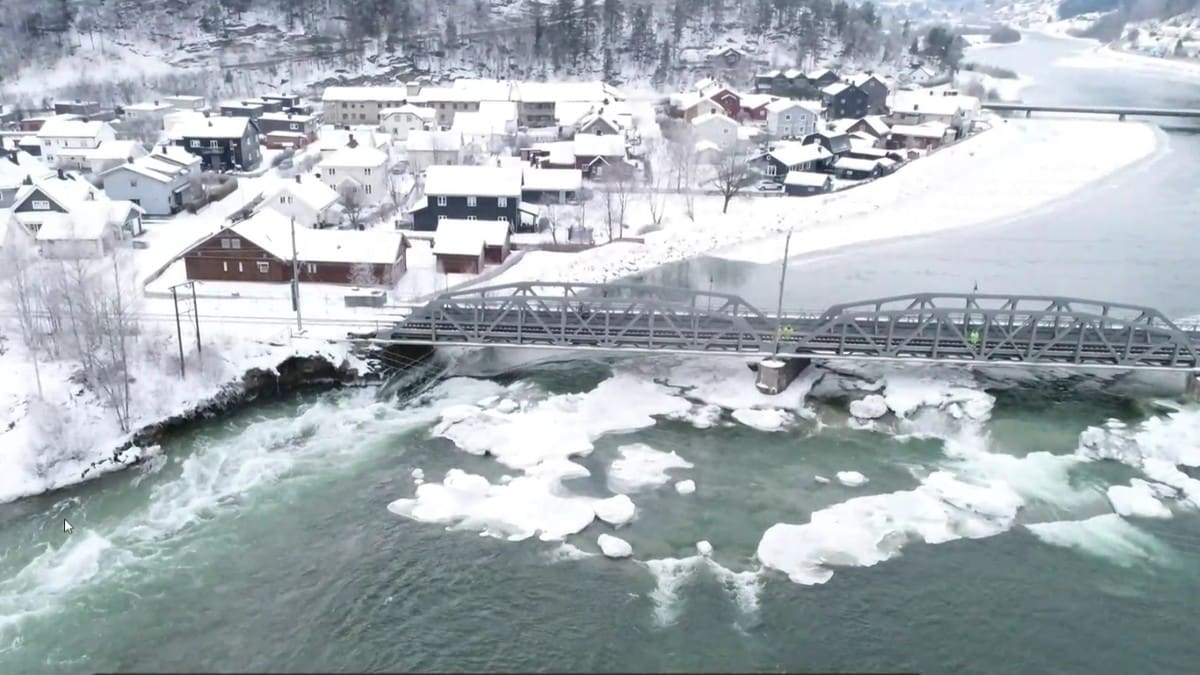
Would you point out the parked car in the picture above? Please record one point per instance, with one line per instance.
(768, 186)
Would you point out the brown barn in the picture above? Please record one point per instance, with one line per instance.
(260, 249)
(459, 245)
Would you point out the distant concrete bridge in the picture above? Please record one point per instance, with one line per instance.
(945, 328)
(1119, 111)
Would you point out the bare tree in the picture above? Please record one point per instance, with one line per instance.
(617, 190)
(352, 199)
(22, 266)
(363, 274)
(144, 130)
(682, 156)
(732, 173)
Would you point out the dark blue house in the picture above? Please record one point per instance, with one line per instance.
(486, 193)
(222, 143)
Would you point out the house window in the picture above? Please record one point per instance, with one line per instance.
(132, 182)
(366, 172)
(214, 143)
(40, 204)
(231, 242)
(293, 126)
(195, 144)
(441, 201)
(282, 199)
(502, 202)
(770, 169)
(787, 117)
(472, 218)
(240, 270)
(225, 267)
(264, 267)
(367, 188)
(471, 201)
(310, 268)
(502, 219)
(330, 172)
(441, 217)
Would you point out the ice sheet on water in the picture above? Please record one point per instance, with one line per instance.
(1138, 499)
(729, 384)
(525, 507)
(1157, 446)
(851, 478)
(685, 487)
(769, 419)
(865, 531)
(869, 407)
(617, 510)
(1107, 536)
(564, 552)
(614, 547)
(957, 393)
(641, 466)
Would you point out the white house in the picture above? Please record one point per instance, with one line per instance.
(367, 167)
(947, 106)
(162, 183)
(690, 105)
(149, 111)
(429, 148)
(787, 118)
(15, 167)
(112, 154)
(400, 121)
(186, 102)
(716, 129)
(63, 136)
(307, 199)
(69, 218)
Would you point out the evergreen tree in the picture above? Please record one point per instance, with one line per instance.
(613, 16)
(589, 21)
(663, 70)
(641, 36)
(679, 16)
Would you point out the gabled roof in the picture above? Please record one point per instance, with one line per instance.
(855, 164)
(794, 153)
(57, 127)
(785, 104)
(709, 118)
(88, 222)
(211, 127)
(15, 165)
(358, 157)
(307, 190)
(157, 167)
(927, 130)
(461, 237)
(806, 179)
(117, 150)
(835, 89)
(272, 231)
(492, 232)
(286, 117)
(597, 145)
(818, 73)
(875, 124)
(473, 181)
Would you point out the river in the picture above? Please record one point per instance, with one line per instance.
(264, 540)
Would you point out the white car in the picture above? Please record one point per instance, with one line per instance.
(768, 186)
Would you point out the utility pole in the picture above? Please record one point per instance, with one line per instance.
(296, 279)
(196, 316)
(787, 244)
(178, 334)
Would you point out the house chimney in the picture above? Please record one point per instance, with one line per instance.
(210, 123)
(297, 178)
(61, 175)
(156, 103)
(352, 143)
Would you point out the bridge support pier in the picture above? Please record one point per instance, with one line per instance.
(1192, 387)
(774, 375)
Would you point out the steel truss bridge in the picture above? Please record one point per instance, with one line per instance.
(956, 328)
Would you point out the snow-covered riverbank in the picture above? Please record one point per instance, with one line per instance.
(1017, 166)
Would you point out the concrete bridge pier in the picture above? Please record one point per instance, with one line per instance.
(774, 375)
(1192, 387)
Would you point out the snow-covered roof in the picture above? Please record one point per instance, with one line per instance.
(117, 150)
(558, 92)
(272, 231)
(932, 102)
(712, 118)
(793, 153)
(365, 94)
(876, 124)
(420, 112)
(89, 222)
(57, 127)
(806, 179)
(859, 79)
(494, 232)
(69, 192)
(842, 125)
(597, 145)
(818, 73)
(211, 127)
(358, 157)
(793, 73)
(480, 124)
(157, 166)
(706, 146)
(307, 190)
(864, 148)
(15, 165)
(855, 164)
(718, 51)
(148, 106)
(332, 139)
(558, 152)
(420, 140)
(242, 105)
(755, 101)
(286, 117)
(462, 237)
(553, 180)
(927, 130)
(835, 88)
(473, 181)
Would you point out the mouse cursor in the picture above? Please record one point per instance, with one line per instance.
(67, 526)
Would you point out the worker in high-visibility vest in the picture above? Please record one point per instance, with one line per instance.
(785, 332)
(973, 338)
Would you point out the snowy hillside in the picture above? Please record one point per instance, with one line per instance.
(119, 51)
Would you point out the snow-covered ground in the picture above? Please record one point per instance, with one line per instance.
(1012, 168)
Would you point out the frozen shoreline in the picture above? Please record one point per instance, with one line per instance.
(1013, 168)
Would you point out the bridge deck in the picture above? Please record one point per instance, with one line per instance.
(1120, 111)
(991, 329)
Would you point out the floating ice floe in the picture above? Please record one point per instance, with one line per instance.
(685, 487)
(1158, 446)
(564, 552)
(525, 507)
(418, 476)
(820, 479)
(1107, 536)
(865, 531)
(770, 419)
(641, 466)
(704, 548)
(869, 407)
(904, 394)
(507, 406)
(851, 478)
(1137, 499)
(618, 510)
(614, 547)
(729, 384)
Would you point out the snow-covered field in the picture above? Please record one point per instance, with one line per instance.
(1012, 168)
